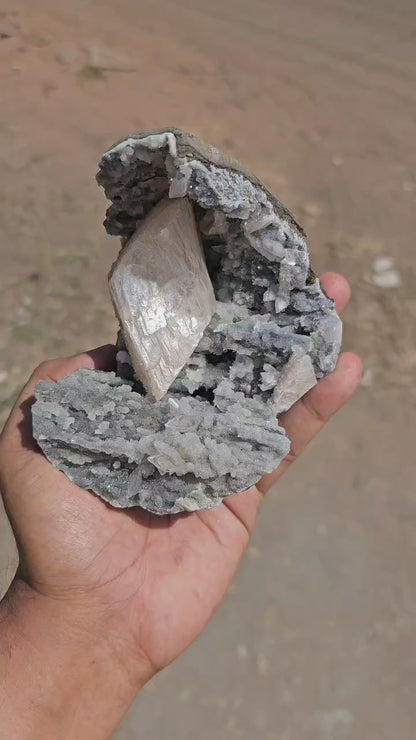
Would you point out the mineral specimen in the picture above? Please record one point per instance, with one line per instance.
(273, 333)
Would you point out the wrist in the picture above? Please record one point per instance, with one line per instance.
(65, 670)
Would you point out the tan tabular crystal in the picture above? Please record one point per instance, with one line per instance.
(162, 294)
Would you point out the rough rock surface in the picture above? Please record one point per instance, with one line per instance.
(274, 332)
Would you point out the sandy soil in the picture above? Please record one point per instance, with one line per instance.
(317, 639)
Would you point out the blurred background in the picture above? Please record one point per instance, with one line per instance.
(317, 637)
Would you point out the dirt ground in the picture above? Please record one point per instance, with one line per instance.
(317, 638)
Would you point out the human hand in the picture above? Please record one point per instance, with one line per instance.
(143, 585)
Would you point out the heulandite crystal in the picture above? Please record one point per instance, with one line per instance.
(162, 294)
(272, 334)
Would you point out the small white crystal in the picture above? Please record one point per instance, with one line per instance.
(269, 377)
(123, 357)
(179, 184)
(296, 379)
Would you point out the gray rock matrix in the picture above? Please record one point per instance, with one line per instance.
(273, 334)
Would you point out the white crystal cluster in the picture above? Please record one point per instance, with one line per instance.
(179, 454)
(272, 335)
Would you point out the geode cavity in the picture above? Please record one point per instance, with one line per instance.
(274, 332)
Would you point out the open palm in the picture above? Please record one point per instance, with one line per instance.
(162, 577)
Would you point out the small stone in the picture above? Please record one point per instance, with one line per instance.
(388, 279)
(337, 161)
(162, 294)
(385, 274)
(381, 264)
